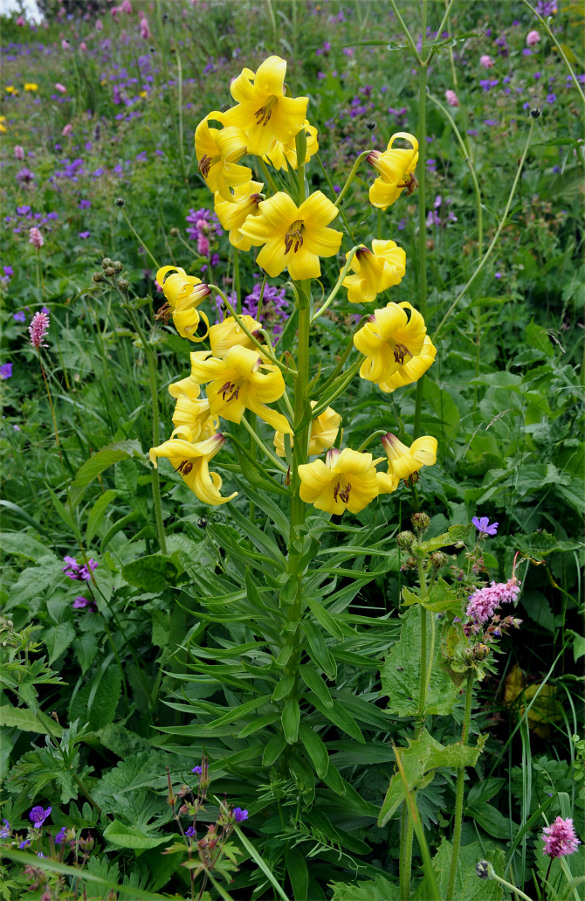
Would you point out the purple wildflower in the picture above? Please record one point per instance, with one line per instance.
(560, 839)
(60, 837)
(19, 316)
(84, 235)
(24, 843)
(482, 524)
(5, 371)
(240, 815)
(197, 769)
(77, 571)
(191, 832)
(25, 176)
(35, 238)
(5, 829)
(38, 816)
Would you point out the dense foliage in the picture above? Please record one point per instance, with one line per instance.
(162, 692)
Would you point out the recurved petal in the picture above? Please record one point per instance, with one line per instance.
(424, 450)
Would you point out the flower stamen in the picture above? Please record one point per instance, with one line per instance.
(227, 388)
(206, 163)
(342, 494)
(264, 114)
(400, 352)
(294, 236)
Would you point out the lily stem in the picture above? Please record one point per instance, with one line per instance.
(422, 223)
(460, 789)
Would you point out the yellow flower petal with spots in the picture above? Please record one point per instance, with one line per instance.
(183, 294)
(263, 110)
(233, 213)
(324, 429)
(404, 461)
(228, 333)
(218, 152)
(412, 369)
(191, 460)
(346, 480)
(374, 271)
(283, 155)
(293, 237)
(396, 171)
(390, 338)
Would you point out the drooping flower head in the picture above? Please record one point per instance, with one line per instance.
(38, 816)
(559, 838)
(218, 152)
(233, 213)
(374, 270)
(38, 329)
(324, 429)
(346, 480)
(395, 168)
(227, 334)
(392, 342)
(293, 237)
(263, 110)
(483, 525)
(242, 380)
(184, 293)
(403, 461)
(191, 460)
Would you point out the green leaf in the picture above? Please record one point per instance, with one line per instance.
(338, 715)
(319, 650)
(314, 681)
(85, 647)
(419, 759)
(97, 701)
(401, 671)
(273, 749)
(378, 889)
(323, 616)
(97, 513)
(291, 717)
(24, 545)
(151, 573)
(467, 884)
(58, 639)
(491, 820)
(296, 867)
(104, 458)
(315, 749)
(283, 687)
(22, 718)
(132, 837)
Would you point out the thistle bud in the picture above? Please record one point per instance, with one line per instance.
(438, 559)
(119, 201)
(124, 284)
(405, 540)
(482, 868)
(97, 277)
(107, 262)
(175, 232)
(109, 271)
(117, 265)
(420, 521)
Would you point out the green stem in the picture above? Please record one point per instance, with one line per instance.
(425, 664)
(139, 239)
(422, 219)
(406, 842)
(338, 284)
(237, 281)
(494, 241)
(258, 441)
(407, 33)
(460, 789)
(352, 175)
(267, 176)
(155, 478)
(180, 103)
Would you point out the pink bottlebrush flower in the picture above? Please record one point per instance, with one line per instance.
(60, 87)
(67, 130)
(38, 329)
(99, 25)
(126, 7)
(35, 238)
(532, 38)
(451, 98)
(486, 61)
(559, 838)
(83, 46)
(203, 246)
(485, 601)
(144, 29)
(65, 45)
(18, 152)
(21, 21)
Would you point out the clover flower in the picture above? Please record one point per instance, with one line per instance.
(559, 838)
(18, 152)
(532, 38)
(38, 329)
(483, 525)
(484, 601)
(38, 816)
(451, 98)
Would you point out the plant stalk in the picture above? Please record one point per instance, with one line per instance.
(460, 789)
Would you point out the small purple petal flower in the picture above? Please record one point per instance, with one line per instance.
(19, 316)
(5, 829)
(60, 837)
(5, 371)
(240, 815)
(24, 843)
(197, 769)
(483, 525)
(38, 816)
(190, 832)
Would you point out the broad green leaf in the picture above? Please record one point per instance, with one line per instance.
(283, 687)
(291, 717)
(151, 573)
(57, 639)
(314, 681)
(378, 889)
(319, 650)
(273, 749)
(401, 671)
(490, 820)
(328, 621)
(131, 837)
(338, 715)
(23, 545)
(296, 867)
(24, 719)
(467, 884)
(419, 759)
(97, 513)
(104, 458)
(97, 701)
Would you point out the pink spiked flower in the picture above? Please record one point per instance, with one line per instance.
(485, 601)
(559, 838)
(18, 152)
(451, 98)
(35, 238)
(38, 329)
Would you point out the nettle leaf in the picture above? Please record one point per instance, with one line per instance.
(132, 837)
(401, 672)
(97, 701)
(58, 639)
(104, 458)
(467, 885)
(23, 545)
(22, 718)
(151, 573)
(378, 889)
(422, 756)
(36, 582)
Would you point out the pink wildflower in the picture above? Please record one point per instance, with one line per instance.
(67, 130)
(126, 7)
(485, 601)
(21, 21)
(65, 45)
(18, 152)
(451, 98)
(532, 38)
(560, 839)
(144, 29)
(35, 238)
(98, 25)
(83, 46)
(38, 329)
(60, 87)
(486, 61)
(203, 246)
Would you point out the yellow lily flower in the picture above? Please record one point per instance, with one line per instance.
(233, 213)
(396, 167)
(375, 270)
(281, 155)
(228, 333)
(242, 380)
(218, 152)
(183, 293)
(347, 480)
(263, 112)
(191, 460)
(324, 429)
(404, 461)
(390, 338)
(294, 237)
(412, 369)
(191, 410)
